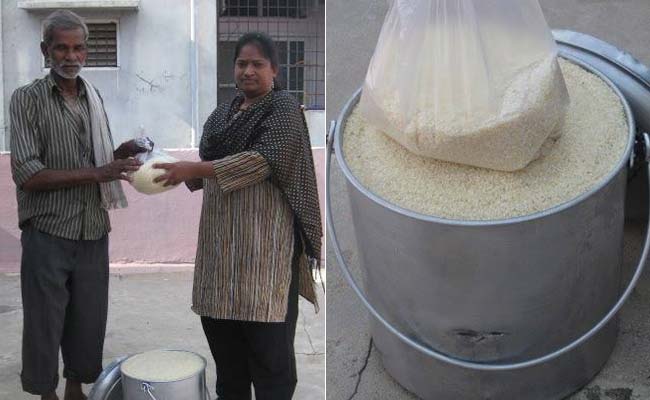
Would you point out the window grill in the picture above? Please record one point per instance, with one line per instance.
(102, 45)
(298, 29)
(292, 67)
(240, 8)
(264, 8)
(284, 8)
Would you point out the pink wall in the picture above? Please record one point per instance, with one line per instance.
(153, 229)
(9, 232)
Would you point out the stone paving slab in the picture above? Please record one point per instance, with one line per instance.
(152, 311)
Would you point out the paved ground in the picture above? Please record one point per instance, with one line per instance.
(151, 311)
(353, 367)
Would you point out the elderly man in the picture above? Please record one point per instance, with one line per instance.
(67, 177)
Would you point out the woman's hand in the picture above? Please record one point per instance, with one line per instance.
(176, 173)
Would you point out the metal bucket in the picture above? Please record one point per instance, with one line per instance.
(633, 80)
(108, 385)
(189, 388)
(113, 385)
(522, 308)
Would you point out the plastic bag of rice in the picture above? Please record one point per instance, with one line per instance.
(474, 82)
(144, 176)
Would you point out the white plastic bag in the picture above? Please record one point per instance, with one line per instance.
(144, 176)
(469, 81)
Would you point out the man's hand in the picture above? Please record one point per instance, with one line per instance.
(116, 170)
(49, 179)
(128, 149)
(176, 173)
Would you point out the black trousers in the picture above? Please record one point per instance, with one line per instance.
(260, 353)
(64, 285)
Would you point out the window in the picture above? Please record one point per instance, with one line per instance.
(102, 45)
(292, 68)
(239, 8)
(284, 8)
(296, 26)
(269, 8)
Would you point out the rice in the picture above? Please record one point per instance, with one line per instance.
(507, 139)
(144, 176)
(592, 142)
(162, 365)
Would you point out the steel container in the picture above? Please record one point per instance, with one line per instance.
(633, 80)
(108, 385)
(188, 388)
(521, 308)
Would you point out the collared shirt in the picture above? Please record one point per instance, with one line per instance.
(47, 133)
(246, 244)
(243, 261)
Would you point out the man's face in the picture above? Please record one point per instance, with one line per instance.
(67, 52)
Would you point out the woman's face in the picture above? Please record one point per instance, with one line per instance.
(253, 72)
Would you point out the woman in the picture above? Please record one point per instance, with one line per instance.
(260, 227)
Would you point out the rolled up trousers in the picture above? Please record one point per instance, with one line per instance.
(64, 285)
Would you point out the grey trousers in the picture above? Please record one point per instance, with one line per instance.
(64, 285)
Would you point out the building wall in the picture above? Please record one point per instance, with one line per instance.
(161, 228)
(150, 91)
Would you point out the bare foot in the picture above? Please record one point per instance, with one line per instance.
(50, 396)
(73, 391)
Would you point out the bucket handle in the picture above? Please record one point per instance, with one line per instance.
(444, 357)
(147, 388)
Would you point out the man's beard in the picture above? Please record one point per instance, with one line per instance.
(58, 68)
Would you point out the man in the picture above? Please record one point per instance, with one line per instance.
(67, 177)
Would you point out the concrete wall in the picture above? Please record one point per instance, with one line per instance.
(151, 89)
(165, 85)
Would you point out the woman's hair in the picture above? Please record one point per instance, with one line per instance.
(265, 45)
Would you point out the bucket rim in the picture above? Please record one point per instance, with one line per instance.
(199, 372)
(623, 162)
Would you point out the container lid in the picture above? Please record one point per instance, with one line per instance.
(627, 73)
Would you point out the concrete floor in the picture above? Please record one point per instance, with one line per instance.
(152, 311)
(354, 369)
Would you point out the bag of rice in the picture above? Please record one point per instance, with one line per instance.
(143, 177)
(468, 81)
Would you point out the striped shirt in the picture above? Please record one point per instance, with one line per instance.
(48, 133)
(246, 243)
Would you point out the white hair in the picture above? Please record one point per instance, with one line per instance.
(62, 19)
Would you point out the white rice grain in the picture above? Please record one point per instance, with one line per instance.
(593, 140)
(162, 365)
